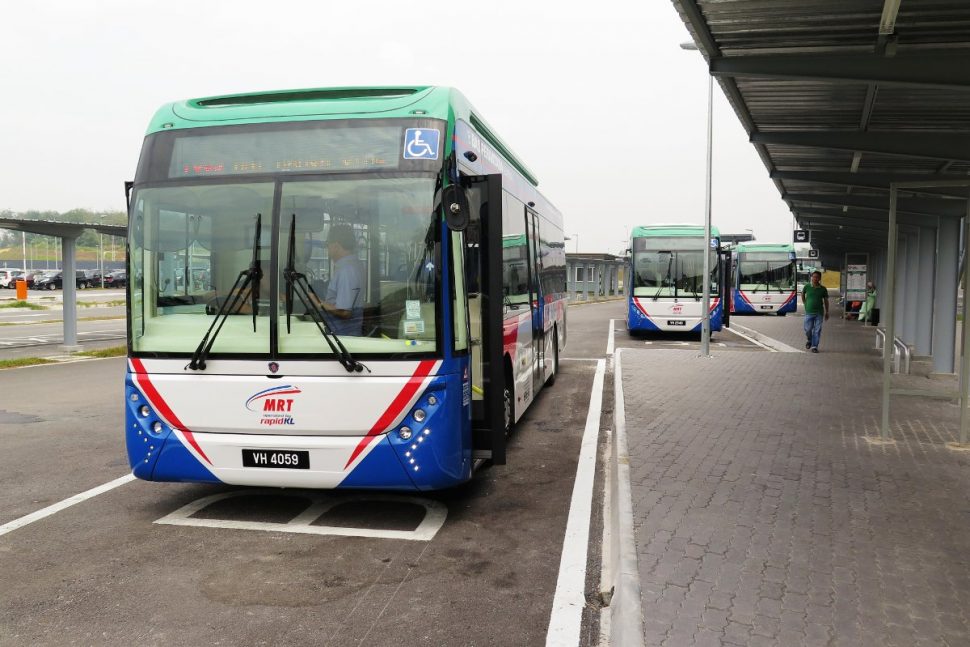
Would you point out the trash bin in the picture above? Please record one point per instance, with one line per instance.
(21, 290)
(874, 317)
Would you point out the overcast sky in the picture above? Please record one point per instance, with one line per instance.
(597, 99)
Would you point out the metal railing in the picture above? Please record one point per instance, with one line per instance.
(901, 353)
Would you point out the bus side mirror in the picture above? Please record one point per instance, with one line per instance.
(454, 201)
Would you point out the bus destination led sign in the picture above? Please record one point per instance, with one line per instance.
(286, 151)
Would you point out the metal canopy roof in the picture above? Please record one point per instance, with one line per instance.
(842, 97)
(60, 229)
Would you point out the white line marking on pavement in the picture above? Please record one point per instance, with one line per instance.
(565, 620)
(434, 516)
(769, 342)
(66, 503)
(610, 340)
(750, 339)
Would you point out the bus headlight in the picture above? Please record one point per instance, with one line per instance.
(144, 411)
(404, 433)
(419, 415)
(157, 427)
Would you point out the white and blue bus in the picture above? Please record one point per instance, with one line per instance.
(668, 279)
(764, 279)
(377, 293)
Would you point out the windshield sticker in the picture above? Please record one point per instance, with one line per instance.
(421, 144)
(412, 309)
(414, 327)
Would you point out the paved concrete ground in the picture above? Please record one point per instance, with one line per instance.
(765, 517)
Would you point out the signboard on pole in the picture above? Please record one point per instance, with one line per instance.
(855, 283)
(813, 253)
(801, 236)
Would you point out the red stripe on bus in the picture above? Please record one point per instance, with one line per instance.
(397, 405)
(141, 377)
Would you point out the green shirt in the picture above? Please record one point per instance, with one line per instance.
(814, 298)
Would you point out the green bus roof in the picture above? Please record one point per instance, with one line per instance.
(673, 230)
(785, 248)
(317, 104)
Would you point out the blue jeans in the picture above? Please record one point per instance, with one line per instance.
(813, 328)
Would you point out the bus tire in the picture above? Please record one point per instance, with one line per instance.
(555, 358)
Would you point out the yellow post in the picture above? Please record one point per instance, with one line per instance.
(21, 290)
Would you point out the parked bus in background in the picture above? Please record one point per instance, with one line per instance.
(764, 279)
(803, 272)
(667, 267)
(320, 295)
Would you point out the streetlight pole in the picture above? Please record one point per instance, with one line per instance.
(706, 293)
(576, 238)
(101, 253)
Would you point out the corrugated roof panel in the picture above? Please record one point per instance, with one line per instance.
(778, 106)
(805, 103)
(921, 109)
(766, 25)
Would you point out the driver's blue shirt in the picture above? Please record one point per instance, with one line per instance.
(345, 292)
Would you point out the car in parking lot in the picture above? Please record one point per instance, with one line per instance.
(31, 277)
(55, 281)
(116, 279)
(8, 277)
(93, 277)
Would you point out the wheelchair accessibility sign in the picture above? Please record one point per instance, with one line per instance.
(421, 144)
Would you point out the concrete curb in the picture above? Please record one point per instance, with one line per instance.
(586, 302)
(770, 342)
(621, 574)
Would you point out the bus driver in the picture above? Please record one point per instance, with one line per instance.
(344, 301)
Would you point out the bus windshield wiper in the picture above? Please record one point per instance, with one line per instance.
(296, 283)
(670, 264)
(247, 279)
(693, 289)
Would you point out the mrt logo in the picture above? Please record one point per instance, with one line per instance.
(277, 404)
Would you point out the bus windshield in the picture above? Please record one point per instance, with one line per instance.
(668, 273)
(766, 274)
(366, 245)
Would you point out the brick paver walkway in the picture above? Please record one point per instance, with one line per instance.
(763, 515)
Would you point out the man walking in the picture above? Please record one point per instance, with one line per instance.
(815, 298)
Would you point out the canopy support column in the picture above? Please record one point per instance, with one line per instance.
(69, 293)
(890, 312)
(926, 268)
(945, 295)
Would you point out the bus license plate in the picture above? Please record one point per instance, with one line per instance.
(676, 322)
(278, 458)
(767, 307)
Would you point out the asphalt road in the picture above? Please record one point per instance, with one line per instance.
(28, 332)
(102, 572)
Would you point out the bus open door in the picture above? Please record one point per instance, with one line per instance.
(726, 281)
(491, 386)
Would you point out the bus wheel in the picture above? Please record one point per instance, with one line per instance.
(555, 358)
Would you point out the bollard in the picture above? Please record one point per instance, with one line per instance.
(21, 290)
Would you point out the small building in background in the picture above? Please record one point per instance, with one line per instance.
(596, 276)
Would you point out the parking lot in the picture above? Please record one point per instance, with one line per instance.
(132, 565)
